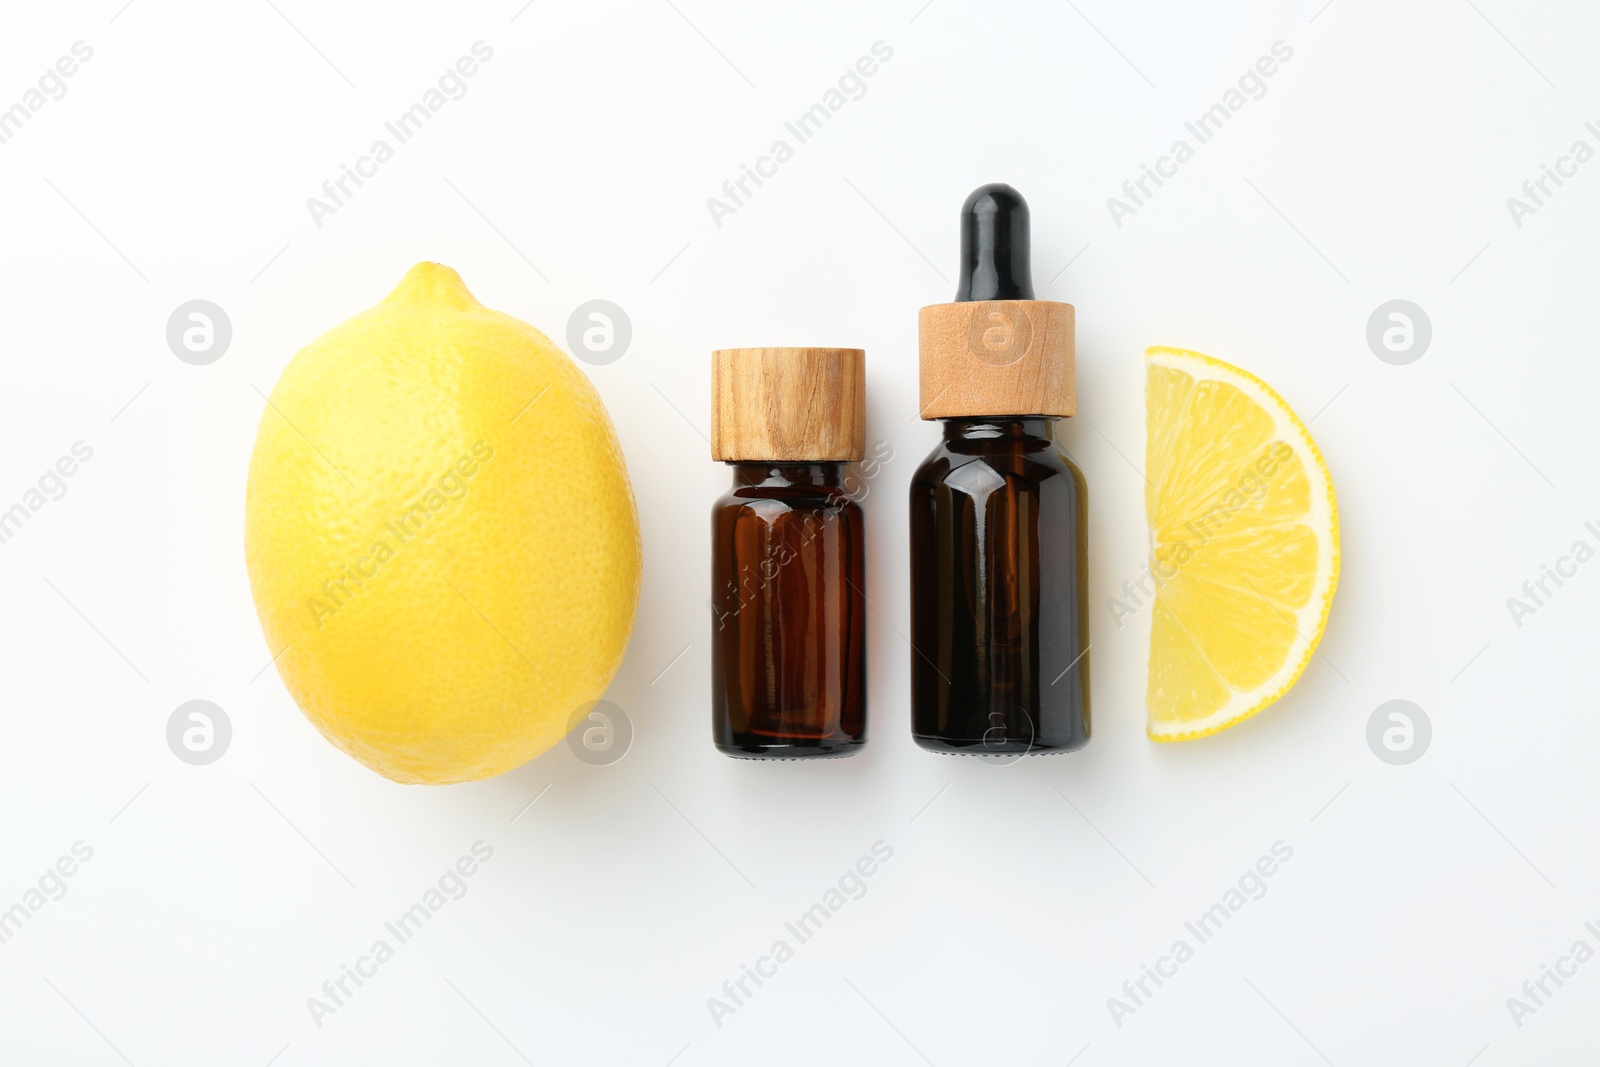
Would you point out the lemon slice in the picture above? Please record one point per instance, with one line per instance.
(1244, 536)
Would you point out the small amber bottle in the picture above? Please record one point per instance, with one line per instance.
(999, 612)
(788, 585)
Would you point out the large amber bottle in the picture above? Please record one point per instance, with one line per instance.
(999, 609)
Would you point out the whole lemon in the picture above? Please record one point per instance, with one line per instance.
(441, 537)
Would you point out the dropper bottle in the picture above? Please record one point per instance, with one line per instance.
(999, 580)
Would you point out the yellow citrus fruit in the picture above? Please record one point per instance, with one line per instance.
(1244, 535)
(441, 536)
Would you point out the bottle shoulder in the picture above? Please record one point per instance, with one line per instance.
(984, 460)
(770, 502)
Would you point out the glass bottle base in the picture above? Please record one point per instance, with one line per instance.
(979, 747)
(805, 750)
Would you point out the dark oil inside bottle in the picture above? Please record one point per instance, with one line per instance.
(999, 613)
(789, 627)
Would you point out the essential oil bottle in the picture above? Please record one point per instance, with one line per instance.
(999, 612)
(788, 585)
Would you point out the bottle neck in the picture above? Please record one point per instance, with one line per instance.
(787, 475)
(1021, 428)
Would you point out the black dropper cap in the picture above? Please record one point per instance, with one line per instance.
(994, 246)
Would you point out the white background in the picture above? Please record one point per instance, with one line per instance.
(1019, 898)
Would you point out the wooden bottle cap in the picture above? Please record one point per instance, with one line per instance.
(997, 357)
(788, 405)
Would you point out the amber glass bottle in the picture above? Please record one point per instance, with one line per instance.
(998, 574)
(999, 608)
(788, 597)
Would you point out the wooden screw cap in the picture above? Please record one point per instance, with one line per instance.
(788, 405)
(997, 357)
